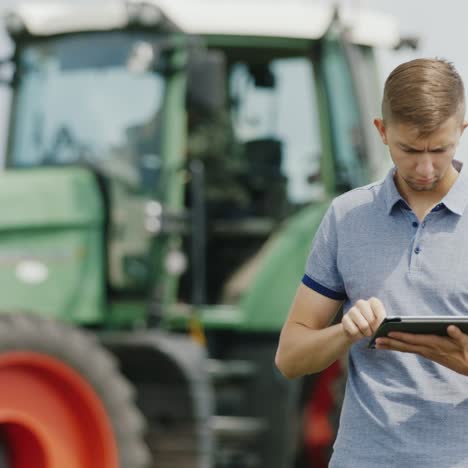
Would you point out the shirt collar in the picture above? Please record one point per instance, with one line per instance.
(391, 194)
(456, 199)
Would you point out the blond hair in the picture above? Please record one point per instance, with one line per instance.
(423, 93)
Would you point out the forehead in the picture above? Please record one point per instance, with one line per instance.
(445, 134)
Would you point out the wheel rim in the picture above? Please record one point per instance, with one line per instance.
(50, 417)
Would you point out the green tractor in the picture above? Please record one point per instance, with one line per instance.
(167, 165)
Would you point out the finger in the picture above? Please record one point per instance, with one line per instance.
(395, 345)
(351, 329)
(378, 309)
(428, 341)
(366, 311)
(360, 321)
(460, 338)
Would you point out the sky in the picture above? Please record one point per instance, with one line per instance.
(441, 27)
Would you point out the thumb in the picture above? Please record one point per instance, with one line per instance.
(455, 333)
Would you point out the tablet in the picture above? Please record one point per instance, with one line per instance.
(429, 325)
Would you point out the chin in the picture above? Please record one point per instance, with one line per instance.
(423, 188)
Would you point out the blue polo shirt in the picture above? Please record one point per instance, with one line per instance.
(400, 410)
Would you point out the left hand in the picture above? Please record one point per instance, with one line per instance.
(451, 351)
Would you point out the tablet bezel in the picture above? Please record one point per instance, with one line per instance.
(422, 324)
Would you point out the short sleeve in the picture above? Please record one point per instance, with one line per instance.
(321, 272)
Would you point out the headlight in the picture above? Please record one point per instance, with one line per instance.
(175, 262)
(153, 217)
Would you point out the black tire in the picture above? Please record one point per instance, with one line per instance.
(82, 352)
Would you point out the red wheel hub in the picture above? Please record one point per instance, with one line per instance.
(51, 417)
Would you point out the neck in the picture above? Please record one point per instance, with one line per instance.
(423, 201)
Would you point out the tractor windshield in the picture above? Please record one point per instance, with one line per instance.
(275, 118)
(84, 100)
(262, 153)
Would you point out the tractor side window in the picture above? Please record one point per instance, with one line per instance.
(345, 118)
(369, 91)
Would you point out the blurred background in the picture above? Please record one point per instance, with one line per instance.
(439, 26)
(169, 162)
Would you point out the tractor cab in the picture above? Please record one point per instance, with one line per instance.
(168, 163)
(98, 140)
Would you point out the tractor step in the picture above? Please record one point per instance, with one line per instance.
(221, 371)
(232, 380)
(236, 440)
(236, 428)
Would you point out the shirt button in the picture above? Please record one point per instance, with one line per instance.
(423, 224)
(415, 224)
(417, 250)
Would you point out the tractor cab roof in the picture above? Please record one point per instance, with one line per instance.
(288, 19)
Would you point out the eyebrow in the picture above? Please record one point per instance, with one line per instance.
(417, 150)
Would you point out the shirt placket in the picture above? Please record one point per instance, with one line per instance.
(418, 245)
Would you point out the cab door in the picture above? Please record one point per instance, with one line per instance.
(345, 118)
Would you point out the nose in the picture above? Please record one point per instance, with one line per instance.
(425, 166)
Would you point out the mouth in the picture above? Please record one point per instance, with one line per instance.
(424, 181)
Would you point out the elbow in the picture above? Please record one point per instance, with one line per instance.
(285, 367)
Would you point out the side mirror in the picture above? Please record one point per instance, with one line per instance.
(206, 86)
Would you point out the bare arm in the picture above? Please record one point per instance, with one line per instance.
(308, 344)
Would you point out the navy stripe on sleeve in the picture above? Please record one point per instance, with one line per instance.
(310, 283)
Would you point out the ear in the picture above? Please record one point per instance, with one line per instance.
(380, 126)
(464, 125)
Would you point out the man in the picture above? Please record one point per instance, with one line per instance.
(399, 246)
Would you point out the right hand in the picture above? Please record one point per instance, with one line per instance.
(363, 319)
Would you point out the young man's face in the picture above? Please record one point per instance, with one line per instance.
(422, 162)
